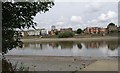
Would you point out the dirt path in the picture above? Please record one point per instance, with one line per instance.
(103, 65)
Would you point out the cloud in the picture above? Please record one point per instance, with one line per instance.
(61, 21)
(109, 16)
(93, 7)
(76, 19)
(105, 17)
(62, 18)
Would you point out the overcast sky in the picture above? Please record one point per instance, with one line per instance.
(78, 14)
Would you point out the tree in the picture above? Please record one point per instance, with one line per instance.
(19, 15)
(65, 34)
(79, 31)
(111, 24)
(112, 28)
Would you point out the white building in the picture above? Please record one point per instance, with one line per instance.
(43, 32)
(37, 32)
(31, 32)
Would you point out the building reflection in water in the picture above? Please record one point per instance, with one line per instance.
(112, 45)
(94, 44)
(35, 45)
(54, 44)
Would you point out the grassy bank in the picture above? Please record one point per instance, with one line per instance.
(105, 38)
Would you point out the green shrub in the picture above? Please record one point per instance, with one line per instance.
(65, 34)
(79, 31)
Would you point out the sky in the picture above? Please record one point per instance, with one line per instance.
(79, 14)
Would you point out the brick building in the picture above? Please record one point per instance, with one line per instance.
(95, 30)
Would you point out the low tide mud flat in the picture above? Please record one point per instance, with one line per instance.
(62, 63)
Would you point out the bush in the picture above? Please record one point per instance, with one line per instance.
(65, 34)
(79, 31)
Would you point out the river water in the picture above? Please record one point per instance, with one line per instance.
(68, 48)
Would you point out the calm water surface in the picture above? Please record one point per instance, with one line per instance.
(71, 48)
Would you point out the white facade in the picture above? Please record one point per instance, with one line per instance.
(43, 32)
(31, 32)
(37, 32)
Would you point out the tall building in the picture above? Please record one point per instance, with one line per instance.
(53, 27)
(53, 31)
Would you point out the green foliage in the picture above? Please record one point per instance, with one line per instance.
(79, 31)
(111, 24)
(19, 15)
(113, 31)
(65, 34)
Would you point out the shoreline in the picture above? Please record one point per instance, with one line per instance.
(61, 57)
(105, 38)
(52, 63)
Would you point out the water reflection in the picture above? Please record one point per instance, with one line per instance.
(112, 45)
(95, 45)
(79, 45)
(68, 48)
